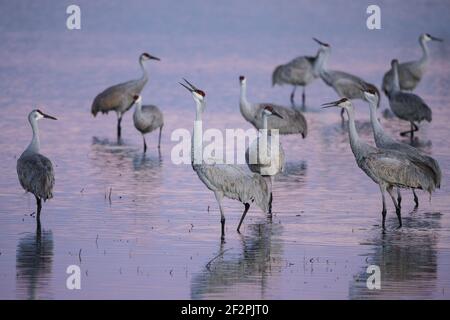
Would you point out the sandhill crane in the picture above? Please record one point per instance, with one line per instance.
(344, 84)
(300, 71)
(407, 106)
(387, 168)
(384, 141)
(266, 155)
(226, 180)
(292, 122)
(146, 119)
(410, 73)
(34, 170)
(119, 98)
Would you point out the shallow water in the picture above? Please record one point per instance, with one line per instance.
(158, 234)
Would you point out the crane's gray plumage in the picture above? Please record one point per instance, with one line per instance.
(407, 106)
(345, 85)
(36, 175)
(146, 119)
(225, 180)
(265, 155)
(35, 171)
(292, 121)
(384, 141)
(410, 73)
(388, 168)
(119, 98)
(300, 71)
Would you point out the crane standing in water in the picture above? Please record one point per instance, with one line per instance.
(407, 106)
(384, 141)
(225, 180)
(292, 121)
(146, 119)
(387, 168)
(34, 170)
(410, 73)
(266, 155)
(119, 98)
(300, 71)
(344, 84)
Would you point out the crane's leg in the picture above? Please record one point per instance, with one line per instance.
(414, 128)
(38, 231)
(303, 99)
(399, 197)
(119, 129)
(383, 212)
(397, 208)
(292, 97)
(145, 144)
(342, 115)
(416, 199)
(39, 207)
(247, 206)
(270, 182)
(270, 203)
(159, 139)
(219, 197)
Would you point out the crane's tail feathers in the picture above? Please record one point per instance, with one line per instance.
(276, 75)
(94, 109)
(261, 194)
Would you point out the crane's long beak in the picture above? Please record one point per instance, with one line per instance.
(48, 116)
(319, 42)
(189, 89)
(276, 114)
(190, 85)
(436, 39)
(331, 104)
(154, 58)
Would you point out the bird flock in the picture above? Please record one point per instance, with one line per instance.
(391, 164)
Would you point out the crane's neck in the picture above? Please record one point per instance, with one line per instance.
(245, 106)
(264, 121)
(321, 62)
(378, 131)
(35, 144)
(262, 142)
(138, 109)
(144, 77)
(395, 79)
(425, 52)
(197, 136)
(353, 134)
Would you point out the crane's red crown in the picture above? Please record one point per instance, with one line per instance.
(200, 92)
